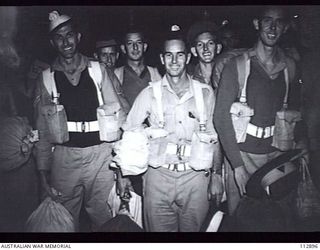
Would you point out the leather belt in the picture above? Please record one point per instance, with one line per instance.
(259, 132)
(83, 127)
(178, 167)
(179, 150)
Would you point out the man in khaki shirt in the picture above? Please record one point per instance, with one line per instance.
(175, 195)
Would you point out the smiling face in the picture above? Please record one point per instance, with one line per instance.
(134, 46)
(175, 58)
(271, 26)
(205, 47)
(65, 41)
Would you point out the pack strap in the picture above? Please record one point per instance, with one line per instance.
(119, 73)
(243, 68)
(286, 78)
(96, 75)
(50, 84)
(157, 92)
(198, 95)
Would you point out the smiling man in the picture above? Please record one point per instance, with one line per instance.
(175, 193)
(205, 47)
(78, 167)
(135, 75)
(265, 92)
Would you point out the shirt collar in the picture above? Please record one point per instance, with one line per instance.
(187, 95)
(280, 58)
(84, 63)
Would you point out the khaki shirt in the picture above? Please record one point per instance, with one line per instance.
(180, 114)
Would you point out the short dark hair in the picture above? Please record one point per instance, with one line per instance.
(262, 11)
(133, 29)
(175, 35)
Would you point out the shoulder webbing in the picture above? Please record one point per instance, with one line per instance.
(198, 95)
(157, 92)
(286, 78)
(119, 73)
(96, 75)
(243, 69)
(49, 83)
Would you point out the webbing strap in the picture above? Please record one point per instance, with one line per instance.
(49, 83)
(119, 73)
(286, 78)
(243, 67)
(198, 95)
(96, 75)
(157, 92)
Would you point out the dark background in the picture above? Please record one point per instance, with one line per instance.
(96, 22)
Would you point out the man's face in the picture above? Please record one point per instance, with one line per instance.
(271, 26)
(108, 56)
(65, 40)
(175, 58)
(134, 46)
(205, 47)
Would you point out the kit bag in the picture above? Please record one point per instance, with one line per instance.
(308, 197)
(50, 217)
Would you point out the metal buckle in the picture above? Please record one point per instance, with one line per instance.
(83, 127)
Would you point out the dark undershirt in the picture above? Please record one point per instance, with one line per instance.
(80, 103)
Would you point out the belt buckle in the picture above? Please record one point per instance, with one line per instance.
(83, 127)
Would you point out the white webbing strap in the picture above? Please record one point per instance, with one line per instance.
(49, 83)
(157, 92)
(96, 75)
(286, 78)
(198, 95)
(119, 73)
(243, 66)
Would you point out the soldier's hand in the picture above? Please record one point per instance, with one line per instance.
(241, 176)
(216, 188)
(51, 192)
(123, 184)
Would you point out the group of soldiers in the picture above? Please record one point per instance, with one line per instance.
(194, 103)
